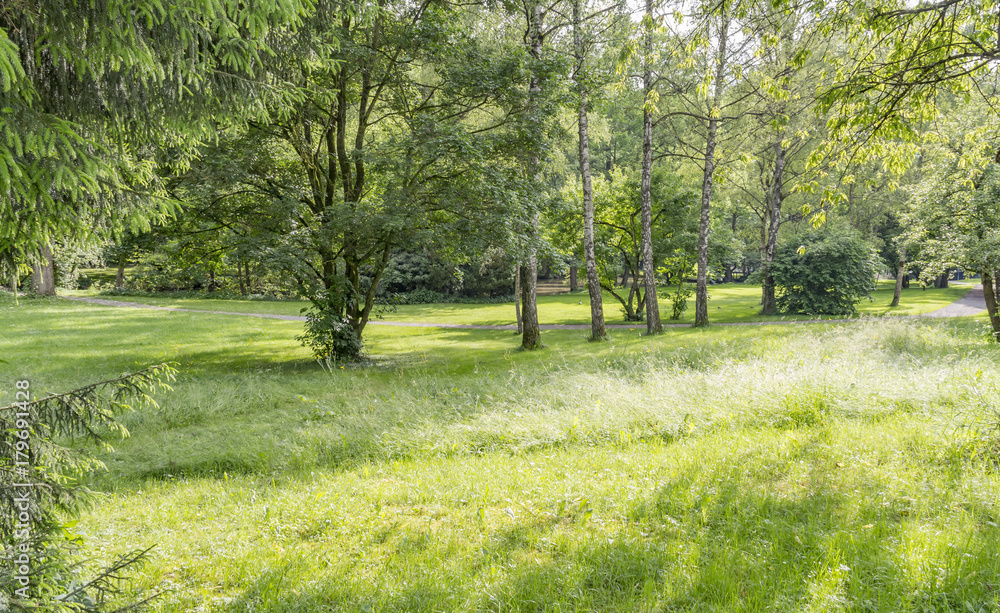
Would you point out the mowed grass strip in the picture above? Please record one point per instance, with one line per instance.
(753, 469)
(729, 303)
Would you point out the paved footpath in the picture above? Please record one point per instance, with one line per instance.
(972, 303)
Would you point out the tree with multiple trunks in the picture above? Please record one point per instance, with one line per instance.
(406, 132)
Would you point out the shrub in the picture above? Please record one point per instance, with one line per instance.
(422, 276)
(409, 272)
(428, 297)
(419, 296)
(825, 271)
(330, 337)
(679, 300)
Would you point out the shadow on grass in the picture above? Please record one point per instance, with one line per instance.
(710, 538)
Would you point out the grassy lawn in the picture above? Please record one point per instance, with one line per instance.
(728, 303)
(730, 469)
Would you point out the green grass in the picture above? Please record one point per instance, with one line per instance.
(729, 303)
(730, 469)
(105, 276)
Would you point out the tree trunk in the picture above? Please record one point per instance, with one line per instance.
(239, 277)
(900, 273)
(730, 268)
(531, 335)
(120, 275)
(517, 298)
(636, 294)
(574, 278)
(246, 274)
(942, 281)
(653, 324)
(989, 293)
(43, 278)
(769, 305)
(597, 329)
(701, 290)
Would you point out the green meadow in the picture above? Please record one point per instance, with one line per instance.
(830, 467)
(729, 303)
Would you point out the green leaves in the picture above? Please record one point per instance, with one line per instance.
(11, 70)
(111, 85)
(824, 271)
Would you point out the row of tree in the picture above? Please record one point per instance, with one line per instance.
(325, 138)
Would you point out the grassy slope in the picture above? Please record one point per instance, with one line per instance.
(750, 469)
(729, 303)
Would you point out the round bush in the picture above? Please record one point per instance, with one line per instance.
(825, 271)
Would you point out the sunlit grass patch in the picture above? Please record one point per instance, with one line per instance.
(819, 467)
(729, 303)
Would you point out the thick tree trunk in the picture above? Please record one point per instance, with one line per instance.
(769, 305)
(43, 277)
(701, 289)
(653, 324)
(574, 278)
(900, 273)
(597, 329)
(531, 335)
(942, 281)
(989, 293)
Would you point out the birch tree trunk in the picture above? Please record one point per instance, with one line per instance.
(597, 329)
(701, 291)
(653, 325)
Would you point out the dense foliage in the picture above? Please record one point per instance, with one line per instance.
(824, 272)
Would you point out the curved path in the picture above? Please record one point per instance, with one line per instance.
(971, 303)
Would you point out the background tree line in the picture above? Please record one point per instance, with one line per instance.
(365, 155)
